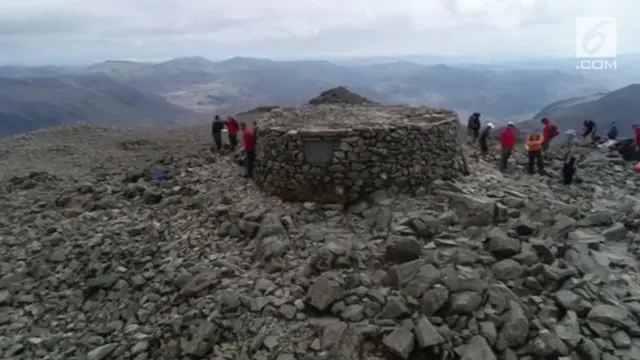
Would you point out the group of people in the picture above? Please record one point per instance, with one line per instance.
(233, 127)
(537, 143)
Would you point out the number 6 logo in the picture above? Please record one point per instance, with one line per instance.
(594, 36)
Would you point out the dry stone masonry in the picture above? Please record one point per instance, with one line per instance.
(338, 153)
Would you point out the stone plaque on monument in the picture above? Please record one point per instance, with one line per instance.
(318, 152)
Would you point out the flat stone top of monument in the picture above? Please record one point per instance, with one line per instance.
(338, 117)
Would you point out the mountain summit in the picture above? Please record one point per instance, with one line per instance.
(339, 95)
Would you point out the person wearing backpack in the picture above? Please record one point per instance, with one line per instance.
(473, 127)
(549, 132)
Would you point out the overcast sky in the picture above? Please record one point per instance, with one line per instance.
(57, 31)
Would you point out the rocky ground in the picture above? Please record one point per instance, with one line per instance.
(99, 262)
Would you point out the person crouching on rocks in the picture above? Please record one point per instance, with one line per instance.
(533, 146)
(507, 143)
(249, 149)
(483, 140)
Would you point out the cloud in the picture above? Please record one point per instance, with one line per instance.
(89, 30)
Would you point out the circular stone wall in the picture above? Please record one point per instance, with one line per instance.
(397, 148)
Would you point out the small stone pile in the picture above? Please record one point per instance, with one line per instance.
(340, 95)
(111, 264)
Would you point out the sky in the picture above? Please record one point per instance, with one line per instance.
(34, 32)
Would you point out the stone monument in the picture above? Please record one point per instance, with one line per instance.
(340, 153)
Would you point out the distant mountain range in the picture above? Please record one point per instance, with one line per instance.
(33, 103)
(621, 105)
(193, 88)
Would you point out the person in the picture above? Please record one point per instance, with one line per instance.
(570, 158)
(473, 127)
(232, 127)
(613, 131)
(550, 131)
(507, 143)
(249, 149)
(533, 146)
(483, 140)
(569, 170)
(589, 134)
(216, 131)
(569, 145)
(636, 132)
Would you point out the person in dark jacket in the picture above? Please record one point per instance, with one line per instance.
(569, 169)
(613, 131)
(589, 134)
(483, 140)
(249, 149)
(232, 127)
(473, 127)
(216, 131)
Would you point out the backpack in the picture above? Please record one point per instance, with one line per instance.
(554, 131)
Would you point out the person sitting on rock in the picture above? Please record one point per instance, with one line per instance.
(473, 127)
(589, 134)
(533, 146)
(483, 140)
(507, 143)
(249, 149)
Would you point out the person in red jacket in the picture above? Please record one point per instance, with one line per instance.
(636, 132)
(232, 128)
(550, 131)
(249, 144)
(507, 143)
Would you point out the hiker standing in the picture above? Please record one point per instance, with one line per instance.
(483, 140)
(216, 131)
(613, 131)
(636, 132)
(534, 152)
(473, 127)
(589, 134)
(570, 158)
(507, 143)
(232, 128)
(550, 131)
(249, 149)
